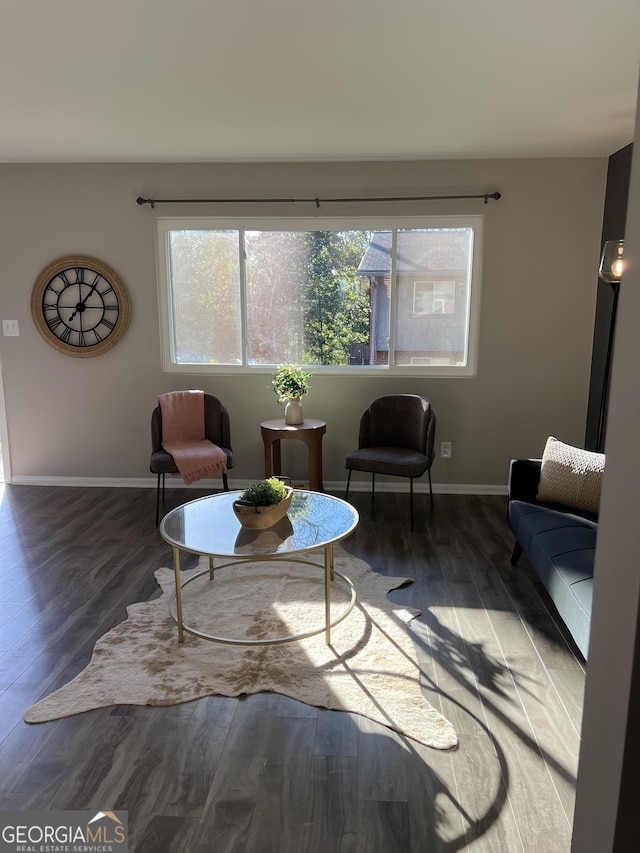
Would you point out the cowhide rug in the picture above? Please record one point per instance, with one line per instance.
(370, 667)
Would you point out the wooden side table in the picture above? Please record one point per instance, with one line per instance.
(311, 432)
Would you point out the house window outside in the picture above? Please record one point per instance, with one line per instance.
(336, 295)
(434, 297)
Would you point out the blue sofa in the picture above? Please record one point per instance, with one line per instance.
(559, 543)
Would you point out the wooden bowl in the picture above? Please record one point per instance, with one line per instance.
(258, 517)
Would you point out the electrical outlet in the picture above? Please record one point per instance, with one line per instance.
(10, 328)
(445, 450)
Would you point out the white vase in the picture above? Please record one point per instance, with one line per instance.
(293, 411)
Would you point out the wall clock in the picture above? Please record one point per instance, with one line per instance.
(80, 306)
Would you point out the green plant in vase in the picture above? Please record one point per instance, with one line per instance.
(263, 503)
(265, 492)
(290, 383)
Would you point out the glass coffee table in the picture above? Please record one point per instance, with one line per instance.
(209, 527)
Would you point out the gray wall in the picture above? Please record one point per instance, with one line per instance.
(606, 815)
(89, 418)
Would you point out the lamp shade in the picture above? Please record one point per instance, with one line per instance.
(612, 261)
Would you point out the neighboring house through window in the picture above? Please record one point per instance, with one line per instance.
(433, 278)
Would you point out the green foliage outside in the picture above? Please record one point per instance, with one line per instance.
(206, 295)
(304, 301)
(336, 306)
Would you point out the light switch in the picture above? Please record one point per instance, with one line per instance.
(10, 328)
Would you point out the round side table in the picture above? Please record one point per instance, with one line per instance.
(311, 432)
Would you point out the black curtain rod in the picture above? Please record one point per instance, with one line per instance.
(316, 201)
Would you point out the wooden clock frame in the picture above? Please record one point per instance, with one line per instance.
(45, 317)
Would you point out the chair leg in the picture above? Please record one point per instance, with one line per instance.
(411, 500)
(373, 487)
(430, 489)
(346, 494)
(158, 498)
(225, 481)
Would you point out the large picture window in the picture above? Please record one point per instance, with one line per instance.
(342, 294)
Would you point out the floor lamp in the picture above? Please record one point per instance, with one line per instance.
(611, 269)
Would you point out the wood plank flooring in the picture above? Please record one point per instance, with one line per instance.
(265, 774)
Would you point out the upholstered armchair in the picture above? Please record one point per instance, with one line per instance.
(396, 437)
(216, 429)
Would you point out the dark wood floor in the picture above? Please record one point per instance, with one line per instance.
(263, 774)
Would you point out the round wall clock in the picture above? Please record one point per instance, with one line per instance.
(80, 306)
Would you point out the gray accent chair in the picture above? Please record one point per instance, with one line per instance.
(216, 430)
(396, 437)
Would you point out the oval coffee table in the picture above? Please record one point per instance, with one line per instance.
(209, 527)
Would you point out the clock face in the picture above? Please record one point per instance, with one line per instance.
(80, 306)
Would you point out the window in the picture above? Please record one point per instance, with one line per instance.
(360, 295)
(434, 297)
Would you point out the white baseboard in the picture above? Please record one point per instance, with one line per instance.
(335, 486)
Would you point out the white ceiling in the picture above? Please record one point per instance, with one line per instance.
(278, 80)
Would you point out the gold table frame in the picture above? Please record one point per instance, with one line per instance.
(296, 552)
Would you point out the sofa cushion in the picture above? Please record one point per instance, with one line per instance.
(528, 520)
(561, 549)
(571, 561)
(573, 603)
(570, 476)
(583, 591)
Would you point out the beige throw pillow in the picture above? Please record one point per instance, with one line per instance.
(571, 476)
